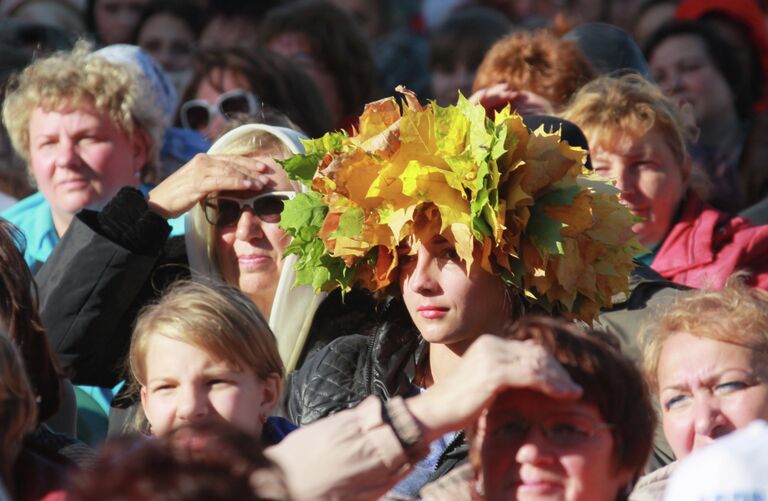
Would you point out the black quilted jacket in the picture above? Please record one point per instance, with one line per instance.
(351, 368)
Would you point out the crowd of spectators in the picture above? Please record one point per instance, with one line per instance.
(383, 249)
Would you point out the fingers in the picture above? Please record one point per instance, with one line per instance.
(522, 364)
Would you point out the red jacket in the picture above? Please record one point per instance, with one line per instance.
(706, 246)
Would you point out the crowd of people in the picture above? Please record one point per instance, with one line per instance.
(389, 249)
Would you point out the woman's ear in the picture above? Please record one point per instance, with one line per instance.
(143, 394)
(271, 389)
(140, 143)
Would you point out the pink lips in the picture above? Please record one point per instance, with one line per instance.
(74, 184)
(252, 260)
(432, 312)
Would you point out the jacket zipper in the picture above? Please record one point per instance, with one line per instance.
(452, 445)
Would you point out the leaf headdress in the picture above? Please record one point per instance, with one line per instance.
(410, 172)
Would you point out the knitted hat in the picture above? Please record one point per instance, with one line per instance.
(409, 174)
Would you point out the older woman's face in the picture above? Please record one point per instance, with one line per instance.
(117, 19)
(651, 180)
(535, 448)
(684, 71)
(707, 389)
(250, 251)
(81, 159)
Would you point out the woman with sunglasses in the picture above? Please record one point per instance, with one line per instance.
(115, 261)
(231, 83)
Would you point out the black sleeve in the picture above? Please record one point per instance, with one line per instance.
(103, 270)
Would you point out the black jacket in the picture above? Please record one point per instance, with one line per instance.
(351, 368)
(111, 263)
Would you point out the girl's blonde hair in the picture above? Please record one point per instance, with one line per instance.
(214, 317)
(735, 314)
(18, 410)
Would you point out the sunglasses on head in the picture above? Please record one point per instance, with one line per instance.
(225, 211)
(197, 113)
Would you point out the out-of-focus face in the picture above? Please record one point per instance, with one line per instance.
(217, 83)
(116, 20)
(226, 32)
(169, 40)
(708, 389)
(651, 181)
(652, 19)
(447, 305)
(81, 159)
(298, 47)
(537, 448)
(447, 82)
(365, 13)
(684, 71)
(185, 384)
(250, 252)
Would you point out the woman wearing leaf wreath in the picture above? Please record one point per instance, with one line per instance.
(465, 219)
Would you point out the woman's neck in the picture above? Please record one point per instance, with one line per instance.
(61, 222)
(264, 303)
(443, 360)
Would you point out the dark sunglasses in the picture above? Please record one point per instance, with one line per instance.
(225, 211)
(197, 113)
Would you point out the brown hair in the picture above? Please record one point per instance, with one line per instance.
(224, 464)
(336, 40)
(536, 61)
(610, 380)
(19, 312)
(277, 81)
(736, 314)
(466, 36)
(18, 414)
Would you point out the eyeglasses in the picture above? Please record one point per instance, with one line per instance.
(225, 211)
(566, 431)
(197, 113)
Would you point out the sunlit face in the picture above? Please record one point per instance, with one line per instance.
(297, 47)
(684, 71)
(707, 389)
(185, 384)
(117, 19)
(651, 180)
(250, 252)
(531, 466)
(81, 159)
(169, 40)
(447, 305)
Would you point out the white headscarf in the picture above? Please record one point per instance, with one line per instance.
(293, 308)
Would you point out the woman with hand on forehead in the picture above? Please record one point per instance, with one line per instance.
(457, 218)
(232, 197)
